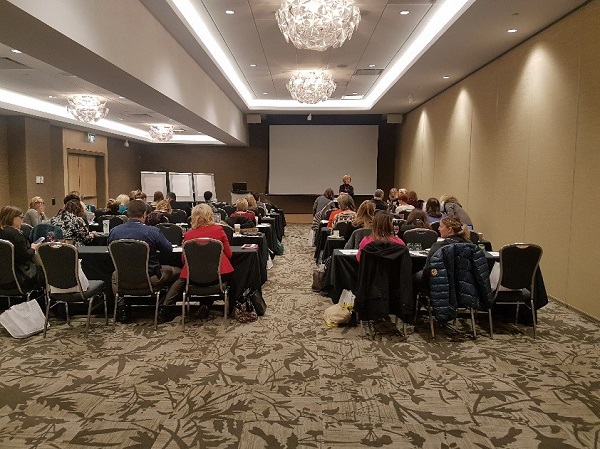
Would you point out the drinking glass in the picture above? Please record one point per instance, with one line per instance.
(50, 237)
(396, 229)
(217, 217)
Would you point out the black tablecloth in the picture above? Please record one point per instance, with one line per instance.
(97, 264)
(332, 243)
(320, 240)
(263, 251)
(269, 231)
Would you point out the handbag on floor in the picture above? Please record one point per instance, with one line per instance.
(24, 319)
(244, 310)
(318, 278)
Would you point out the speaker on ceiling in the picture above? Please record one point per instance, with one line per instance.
(253, 118)
(394, 118)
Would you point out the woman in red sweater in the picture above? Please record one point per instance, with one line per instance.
(203, 225)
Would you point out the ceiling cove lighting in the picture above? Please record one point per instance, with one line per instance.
(161, 132)
(311, 87)
(87, 108)
(196, 20)
(318, 24)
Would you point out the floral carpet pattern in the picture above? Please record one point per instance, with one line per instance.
(288, 381)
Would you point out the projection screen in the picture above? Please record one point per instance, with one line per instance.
(308, 159)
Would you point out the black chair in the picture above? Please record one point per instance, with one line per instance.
(424, 237)
(60, 263)
(172, 232)
(178, 216)
(345, 228)
(223, 213)
(519, 263)
(328, 214)
(130, 258)
(435, 226)
(384, 283)
(26, 230)
(9, 283)
(43, 229)
(203, 259)
(116, 220)
(474, 237)
(244, 222)
(228, 232)
(356, 237)
(454, 289)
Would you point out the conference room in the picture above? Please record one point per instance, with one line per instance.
(499, 107)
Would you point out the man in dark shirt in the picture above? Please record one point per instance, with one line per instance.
(378, 200)
(134, 228)
(172, 197)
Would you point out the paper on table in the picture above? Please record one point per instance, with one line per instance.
(494, 253)
(349, 252)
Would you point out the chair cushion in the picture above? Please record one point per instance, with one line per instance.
(508, 296)
(94, 288)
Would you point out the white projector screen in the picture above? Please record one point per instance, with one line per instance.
(308, 159)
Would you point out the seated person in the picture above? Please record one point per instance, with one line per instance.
(452, 231)
(158, 196)
(413, 199)
(208, 200)
(383, 230)
(241, 206)
(123, 201)
(346, 210)
(378, 200)
(203, 225)
(324, 200)
(432, 209)
(134, 228)
(27, 272)
(70, 220)
(172, 197)
(253, 206)
(161, 214)
(450, 205)
(416, 219)
(403, 204)
(36, 212)
(392, 201)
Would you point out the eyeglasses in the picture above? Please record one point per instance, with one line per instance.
(39, 202)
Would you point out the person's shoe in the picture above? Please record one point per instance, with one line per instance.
(201, 312)
(166, 314)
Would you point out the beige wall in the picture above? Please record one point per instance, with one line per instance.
(518, 142)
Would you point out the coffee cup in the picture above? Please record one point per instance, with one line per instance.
(237, 228)
(336, 233)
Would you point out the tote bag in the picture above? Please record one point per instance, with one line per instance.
(23, 320)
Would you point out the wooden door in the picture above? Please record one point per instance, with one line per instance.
(82, 176)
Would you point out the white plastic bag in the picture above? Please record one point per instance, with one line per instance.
(311, 237)
(495, 275)
(24, 319)
(347, 297)
(336, 314)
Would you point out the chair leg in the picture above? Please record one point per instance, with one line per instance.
(87, 323)
(534, 319)
(226, 303)
(47, 313)
(431, 325)
(417, 308)
(183, 312)
(105, 309)
(67, 310)
(156, 310)
(491, 324)
(115, 311)
(517, 315)
(473, 322)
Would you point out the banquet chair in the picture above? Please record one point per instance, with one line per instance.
(223, 213)
(172, 232)
(384, 284)
(356, 237)
(456, 288)
(228, 232)
(9, 283)
(116, 220)
(130, 258)
(43, 229)
(203, 259)
(26, 230)
(519, 263)
(178, 216)
(474, 237)
(346, 229)
(435, 226)
(60, 262)
(424, 237)
(229, 209)
(328, 214)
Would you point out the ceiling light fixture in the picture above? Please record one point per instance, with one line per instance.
(512, 30)
(318, 24)
(371, 65)
(311, 86)
(87, 108)
(229, 12)
(403, 13)
(14, 50)
(252, 65)
(161, 132)
(445, 77)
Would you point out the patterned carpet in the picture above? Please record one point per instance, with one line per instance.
(287, 381)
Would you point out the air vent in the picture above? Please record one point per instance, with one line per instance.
(11, 64)
(368, 72)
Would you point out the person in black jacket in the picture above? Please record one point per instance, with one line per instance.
(346, 187)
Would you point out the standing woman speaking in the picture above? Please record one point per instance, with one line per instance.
(346, 187)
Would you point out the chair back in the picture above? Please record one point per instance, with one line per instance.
(130, 258)
(435, 226)
(42, 230)
(518, 264)
(474, 237)
(223, 213)
(115, 220)
(357, 236)
(61, 266)
(328, 214)
(203, 258)
(426, 237)
(8, 276)
(229, 209)
(346, 229)
(244, 222)
(26, 230)
(172, 232)
(178, 216)
(228, 232)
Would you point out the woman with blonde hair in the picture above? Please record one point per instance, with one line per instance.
(242, 209)
(36, 212)
(345, 211)
(346, 187)
(203, 226)
(161, 214)
(123, 200)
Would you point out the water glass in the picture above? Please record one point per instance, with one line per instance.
(50, 237)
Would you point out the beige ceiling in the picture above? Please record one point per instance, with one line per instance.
(252, 36)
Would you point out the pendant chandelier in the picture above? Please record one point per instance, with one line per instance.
(318, 24)
(160, 132)
(311, 87)
(87, 108)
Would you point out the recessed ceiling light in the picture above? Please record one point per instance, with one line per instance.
(403, 13)
(512, 30)
(252, 65)
(371, 65)
(230, 12)
(14, 50)
(51, 96)
(445, 77)
(265, 93)
(354, 93)
(121, 98)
